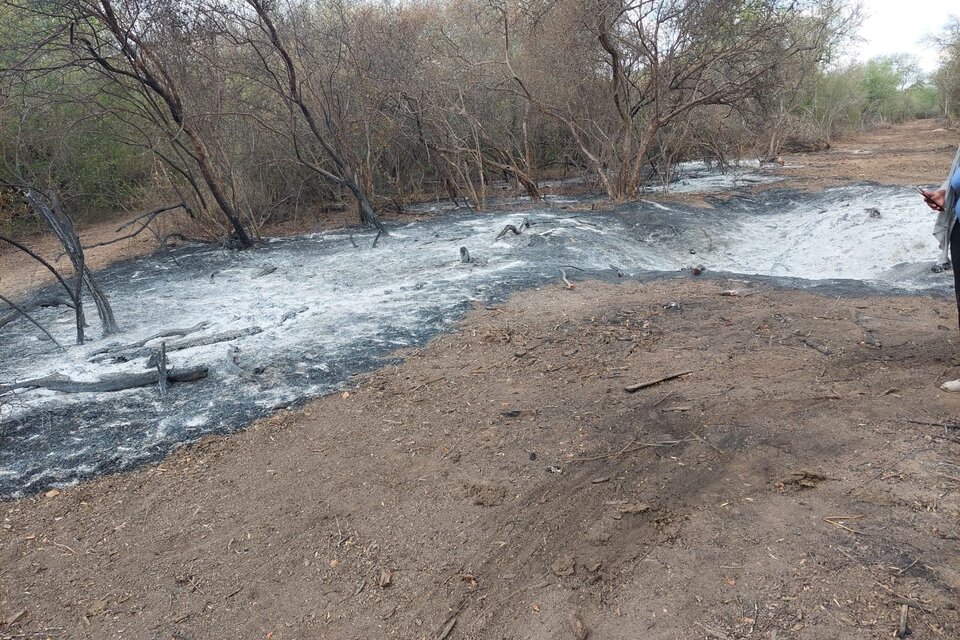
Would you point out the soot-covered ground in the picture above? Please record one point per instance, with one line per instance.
(330, 305)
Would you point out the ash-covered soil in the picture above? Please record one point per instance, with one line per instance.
(800, 482)
(314, 310)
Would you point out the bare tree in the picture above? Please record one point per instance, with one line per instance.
(315, 105)
(129, 41)
(49, 209)
(947, 77)
(241, 105)
(662, 59)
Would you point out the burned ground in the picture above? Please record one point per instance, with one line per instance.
(303, 314)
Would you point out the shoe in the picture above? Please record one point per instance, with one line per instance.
(952, 386)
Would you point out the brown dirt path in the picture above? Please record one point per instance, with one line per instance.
(803, 482)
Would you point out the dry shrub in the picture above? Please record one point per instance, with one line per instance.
(803, 136)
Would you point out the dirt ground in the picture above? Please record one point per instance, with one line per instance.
(913, 153)
(799, 481)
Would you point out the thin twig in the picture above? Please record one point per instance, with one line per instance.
(649, 383)
(629, 449)
(833, 520)
(63, 546)
(150, 217)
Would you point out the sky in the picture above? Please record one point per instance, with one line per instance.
(898, 27)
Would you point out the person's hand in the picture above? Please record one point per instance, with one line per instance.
(935, 199)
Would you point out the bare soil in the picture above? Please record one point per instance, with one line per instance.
(912, 153)
(802, 481)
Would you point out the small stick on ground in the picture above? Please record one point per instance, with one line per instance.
(816, 347)
(713, 633)
(162, 369)
(63, 546)
(903, 630)
(933, 424)
(834, 520)
(563, 276)
(662, 400)
(630, 449)
(633, 388)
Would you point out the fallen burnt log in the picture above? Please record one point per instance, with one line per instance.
(118, 382)
(169, 333)
(146, 352)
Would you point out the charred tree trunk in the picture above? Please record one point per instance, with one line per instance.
(510, 168)
(74, 293)
(367, 213)
(61, 225)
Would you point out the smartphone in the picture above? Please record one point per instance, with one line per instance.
(929, 200)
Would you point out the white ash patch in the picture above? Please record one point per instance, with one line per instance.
(331, 309)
